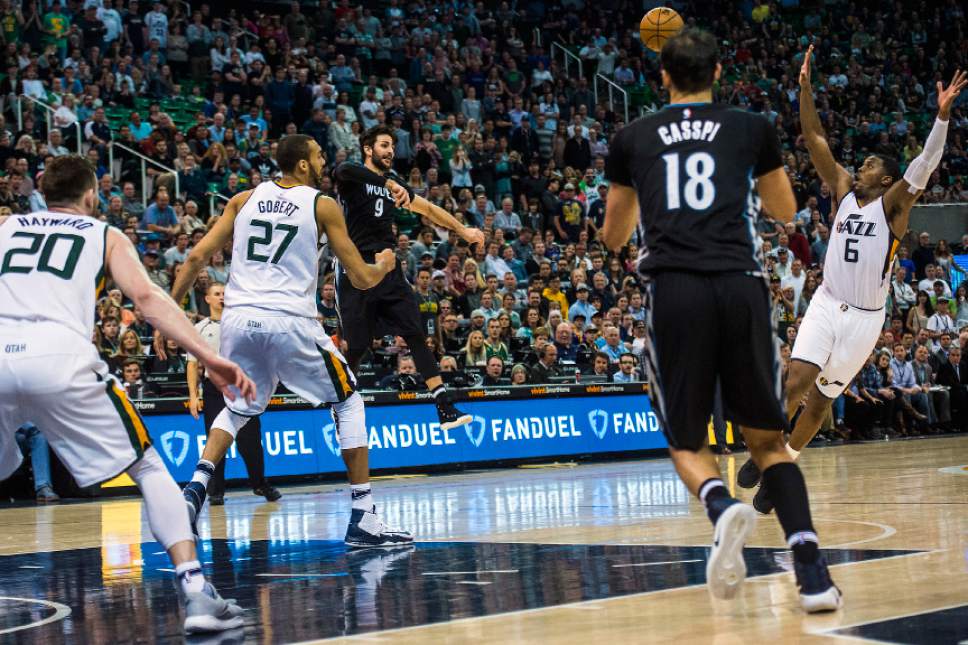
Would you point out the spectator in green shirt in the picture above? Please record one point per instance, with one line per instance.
(56, 26)
(446, 144)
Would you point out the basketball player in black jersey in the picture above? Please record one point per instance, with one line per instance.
(689, 175)
(369, 195)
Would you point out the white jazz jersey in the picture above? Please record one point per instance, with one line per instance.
(51, 274)
(52, 269)
(274, 261)
(857, 268)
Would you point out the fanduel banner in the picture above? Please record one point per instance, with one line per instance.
(305, 442)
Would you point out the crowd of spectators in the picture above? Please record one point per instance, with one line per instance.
(491, 127)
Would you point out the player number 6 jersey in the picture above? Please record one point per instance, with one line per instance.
(857, 268)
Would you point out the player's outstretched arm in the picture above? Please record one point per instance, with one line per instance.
(214, 240)
(163, 314)
(329, 219)
(902, 195)
(835, 175)
(439, 216)
(777, 195)
(621, 215)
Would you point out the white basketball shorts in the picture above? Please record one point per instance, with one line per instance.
(837, 338)
(52, 377)
(290, 349)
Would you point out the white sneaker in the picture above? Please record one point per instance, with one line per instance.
(726, 569)
(206, 611)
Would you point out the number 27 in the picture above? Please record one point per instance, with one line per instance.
(266, 240)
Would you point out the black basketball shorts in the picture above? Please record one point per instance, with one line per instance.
(389, 308)
(706, 329)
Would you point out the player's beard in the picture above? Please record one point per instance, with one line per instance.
(381, 165)
(316, 178)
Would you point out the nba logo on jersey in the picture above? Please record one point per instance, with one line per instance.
(687, 114)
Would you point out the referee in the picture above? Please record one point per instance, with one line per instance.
(249, 439)
(692, 177)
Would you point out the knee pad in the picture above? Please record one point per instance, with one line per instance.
(230, 422)
(350, 422)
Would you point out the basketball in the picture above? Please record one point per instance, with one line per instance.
(658, 26)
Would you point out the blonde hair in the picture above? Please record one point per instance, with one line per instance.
(470, 356)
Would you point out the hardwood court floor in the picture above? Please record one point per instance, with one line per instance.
(596, 553)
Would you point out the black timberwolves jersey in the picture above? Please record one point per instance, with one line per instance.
(369, 209)
(693, 167)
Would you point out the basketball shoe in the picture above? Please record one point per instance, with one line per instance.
(817, 591)
(449, 415)
(207, 611)
(748, 475)
(367, 530)
(761, 501)
(726, 568)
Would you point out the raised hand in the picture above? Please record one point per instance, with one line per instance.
(947, 96)
(805, 68)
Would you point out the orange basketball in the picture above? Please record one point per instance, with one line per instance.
(658, 26)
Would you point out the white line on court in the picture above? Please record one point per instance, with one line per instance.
(300, 575)
(60, 613)
(886, 532)
(466, 573)
(651, 564)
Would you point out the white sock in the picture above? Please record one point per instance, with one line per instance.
(793, 453)
(190, 576)
(362, 498)
(203, 472)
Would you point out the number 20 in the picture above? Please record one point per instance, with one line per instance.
(699, 191)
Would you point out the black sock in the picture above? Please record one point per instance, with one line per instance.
(788, 492)
(439, 393)
(715, 497)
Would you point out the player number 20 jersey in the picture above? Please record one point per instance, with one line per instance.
(857, 267)
(275, 265)
(52, 269)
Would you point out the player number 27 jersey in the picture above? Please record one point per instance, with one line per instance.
(275, 266)
(52, 269)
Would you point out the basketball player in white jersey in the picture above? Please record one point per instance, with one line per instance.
(846, 316)
(269, 324)
(53, 266)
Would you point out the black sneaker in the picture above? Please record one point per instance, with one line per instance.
(366, 530)
(450, 416)
(748, 475)
(817, 591)
(194, 494)
(216, 500)
(761, 501)
(270, 492)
